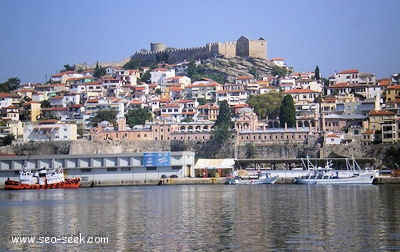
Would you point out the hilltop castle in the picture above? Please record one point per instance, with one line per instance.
(242, 47)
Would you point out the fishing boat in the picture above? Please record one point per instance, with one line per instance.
(246, 178)
(41, 179)
(328, 175)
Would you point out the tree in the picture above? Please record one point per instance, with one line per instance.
(223, 125)
(225, 115)
(138, 116)
(187, 119)
(317, 74)
(162, 58)
(45, 104)
(278, 71)
(253, 71)
(80, 130)
(192, 70)
(134, 63)
(105, 115)
(8, 139)
(10, 85)
(145, 77)
(266, 105)
(99, 71)
(202, 101)
(287, 112)
(68, 68)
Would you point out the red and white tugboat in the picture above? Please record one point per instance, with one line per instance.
(42, 179)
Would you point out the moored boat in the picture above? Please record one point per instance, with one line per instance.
(327, 175)
(42, 179)
(247, 179)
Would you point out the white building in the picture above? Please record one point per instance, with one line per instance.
(49, 130)
(333, 138)
(128, 77)
(280, 62)
(160, 75)
(353, 76)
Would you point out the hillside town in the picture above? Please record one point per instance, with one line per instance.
(348, 105)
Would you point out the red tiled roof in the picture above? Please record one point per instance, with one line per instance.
(351, 71)
(48, 121)
(243, 105)
(340, 85)
(333, 135)
(8, 95)
(329, 99)
(136, 101)
(55, 109)
(384, 82)
(380, 113)
(300, 91)
(62, 73)
(56, 98)
(75, 106)
(171, 105)
(165, 100)
(176, 89)
(184, 101)
(202, 84)
(94, 100)
(393, 87)
(93, 83)
(11, 107)
(244, 77)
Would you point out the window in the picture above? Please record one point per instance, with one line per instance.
(125, 168)
(152, 168)
(111, 169)
(86, 170)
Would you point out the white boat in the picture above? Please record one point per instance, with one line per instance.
(248, 179)
(327, 175)
(41, 179)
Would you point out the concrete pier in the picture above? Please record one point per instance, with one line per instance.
(207, 181)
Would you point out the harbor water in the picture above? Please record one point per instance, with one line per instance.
(202, 218)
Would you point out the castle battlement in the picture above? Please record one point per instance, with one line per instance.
(242, 47)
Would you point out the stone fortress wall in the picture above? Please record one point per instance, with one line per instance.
(243, 47)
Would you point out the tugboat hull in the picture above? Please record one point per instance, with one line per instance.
(68, 183)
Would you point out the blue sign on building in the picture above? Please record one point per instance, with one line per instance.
(156, 159)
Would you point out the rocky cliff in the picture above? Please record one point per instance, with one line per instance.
(233, 67)
(384, 153)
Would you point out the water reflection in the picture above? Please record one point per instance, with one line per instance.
(216, 217)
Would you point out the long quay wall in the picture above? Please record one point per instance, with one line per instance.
(98, 168)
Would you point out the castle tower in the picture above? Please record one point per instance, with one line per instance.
(258, 48)
(251, 48)
(242, 47)
(155, 47)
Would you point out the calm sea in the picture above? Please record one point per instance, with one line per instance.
(203, 218)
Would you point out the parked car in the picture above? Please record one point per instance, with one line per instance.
(164, 176)
(173, 176)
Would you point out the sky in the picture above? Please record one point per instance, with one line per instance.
(37, 38)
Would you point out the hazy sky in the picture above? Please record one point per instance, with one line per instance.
(38, 37)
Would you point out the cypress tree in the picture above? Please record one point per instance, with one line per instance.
(287, 112)
(317, 74)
